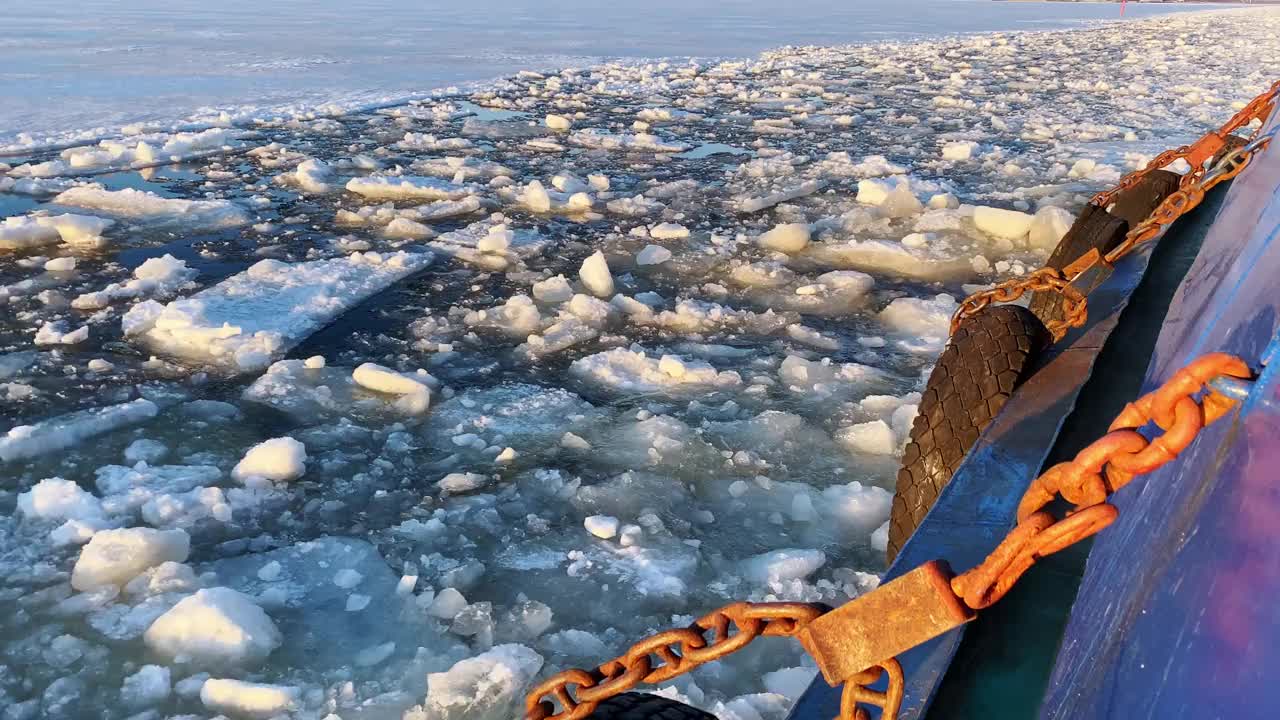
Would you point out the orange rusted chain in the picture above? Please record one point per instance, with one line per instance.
(1074, 305)
(578, 692)
(1097, 471)
(1182, 201)
(1185, 199)
(857, 693)
(926, 601)
(1197, 153)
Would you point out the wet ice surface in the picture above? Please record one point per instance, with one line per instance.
(583, 377)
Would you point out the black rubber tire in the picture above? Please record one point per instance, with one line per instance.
(1094, 228)
(1138, 202)
(1103, 229)
(639, 706)
(990, 355)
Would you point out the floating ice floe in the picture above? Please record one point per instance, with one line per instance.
(279, 459)
(923, 326)
(249, 319)
(214, 628)
(65, 431)
(491, 243)
(311, 175)
(31, 231)
(155, 277)
(462, 169)
(114, 557)
(245, 699)
(407, 187)
(141, 206)
(142, 153)
(643, 142)
(634, 371)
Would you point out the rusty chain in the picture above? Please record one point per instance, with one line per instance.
(676, 652)
(857, 692)
(1087, 481)
(1099, 470)
(1197, 153)
(1187, 197)
(1075, 308)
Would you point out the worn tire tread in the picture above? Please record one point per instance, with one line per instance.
(989, 356)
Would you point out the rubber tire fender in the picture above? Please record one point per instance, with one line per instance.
(1104, 229)
(1137, 203)
(989, 356)
(1093, 228)
(641, 706)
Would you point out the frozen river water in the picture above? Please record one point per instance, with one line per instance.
(387, 414)
(106, 63)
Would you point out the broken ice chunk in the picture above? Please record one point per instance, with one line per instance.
(148, 207)
(787, 238)
(924, 325)
(114, 557)
(602, 526)
(278, 459)
(245, 321)
(56, 333)
(415, 396)
(447, 604)
(1006, 224)
(778, 565)
(64, 431)
(57, 499)
(959, 150)
(407, 187)
(488, 686)
(462, 482)
(873, 438)
(894, 200)
(633, 371)
(669, 231)
(653, 255)
(215, 627)
(553, 290)
(1048, 227)
(146, 688)
(595, 275)
(246, 699)
(603, 139)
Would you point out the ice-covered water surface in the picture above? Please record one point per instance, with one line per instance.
(390, 414)
(89, 67)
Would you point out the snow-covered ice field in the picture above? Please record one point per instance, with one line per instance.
(86, 68)
(389, 413)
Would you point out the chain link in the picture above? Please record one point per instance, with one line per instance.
(1185, 199)
(857, 692)
(668, 654)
